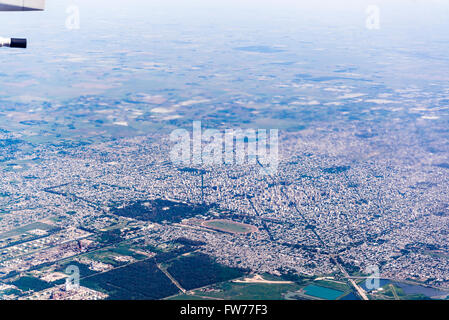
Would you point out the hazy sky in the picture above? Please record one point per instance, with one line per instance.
(409, 13)
(415, 29)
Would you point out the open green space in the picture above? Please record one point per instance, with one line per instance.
(340, 286)
(229, 226)
(245, 291)
(21, 230)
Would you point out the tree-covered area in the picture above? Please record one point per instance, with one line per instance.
(199, 270)
(167, 256)
(30, 283)
(138, 281)
(189, 242)
(160, 210)
(110, 237)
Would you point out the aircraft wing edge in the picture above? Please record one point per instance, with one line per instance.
(22, 5)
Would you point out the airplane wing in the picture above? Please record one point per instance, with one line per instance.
(19, 5)
(22, 5)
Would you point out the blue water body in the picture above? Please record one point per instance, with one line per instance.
(409, 289)
(414, 289)
(322, 292)
(382, 283)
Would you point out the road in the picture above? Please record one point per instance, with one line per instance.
(173, 280)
